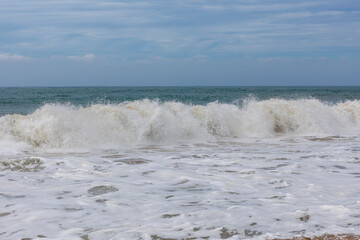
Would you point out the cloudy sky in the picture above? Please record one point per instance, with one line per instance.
(179, 42)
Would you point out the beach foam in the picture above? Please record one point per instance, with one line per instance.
(145, 121)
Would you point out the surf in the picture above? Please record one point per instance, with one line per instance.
(150, 121)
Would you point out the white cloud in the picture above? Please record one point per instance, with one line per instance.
(141, 29)
(273, 7)
(322, 58)
(276, 59)
(13, 57)
(200, 58)
(87, 57)
(310, 14)
(214, 7)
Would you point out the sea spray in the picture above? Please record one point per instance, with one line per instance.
(146, 121)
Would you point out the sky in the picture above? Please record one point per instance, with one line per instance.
(179, 42)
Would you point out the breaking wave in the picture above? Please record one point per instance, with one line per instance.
(146, 121)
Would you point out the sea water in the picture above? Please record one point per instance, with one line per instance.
(179, 162)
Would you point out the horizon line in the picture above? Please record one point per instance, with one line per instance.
(169, 86)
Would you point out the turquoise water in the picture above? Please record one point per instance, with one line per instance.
(27, 100)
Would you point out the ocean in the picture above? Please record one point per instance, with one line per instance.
(179, 162)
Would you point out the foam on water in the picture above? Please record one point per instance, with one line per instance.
(151, 170)
(139, 122)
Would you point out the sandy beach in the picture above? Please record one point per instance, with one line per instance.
(327, 237)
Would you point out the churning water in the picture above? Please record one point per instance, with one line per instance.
(179, 163)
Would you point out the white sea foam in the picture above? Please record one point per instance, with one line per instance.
(145, 121)
(149, 170)
(246, 189)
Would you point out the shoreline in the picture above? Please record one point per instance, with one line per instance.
(325, 237)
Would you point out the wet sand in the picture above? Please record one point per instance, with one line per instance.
(327, 237)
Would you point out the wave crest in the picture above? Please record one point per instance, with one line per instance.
(145, 121)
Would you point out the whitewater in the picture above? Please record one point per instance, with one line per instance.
(145, 121)
(153, 169)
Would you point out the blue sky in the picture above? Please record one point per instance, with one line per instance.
(227, 42)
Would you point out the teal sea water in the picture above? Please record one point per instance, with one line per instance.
(26, 100)
(151, 163)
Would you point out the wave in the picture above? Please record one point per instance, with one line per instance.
(146, 121)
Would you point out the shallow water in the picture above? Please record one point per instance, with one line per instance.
(171, 170)
(255, 188)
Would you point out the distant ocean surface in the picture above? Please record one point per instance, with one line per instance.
(179, 162)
